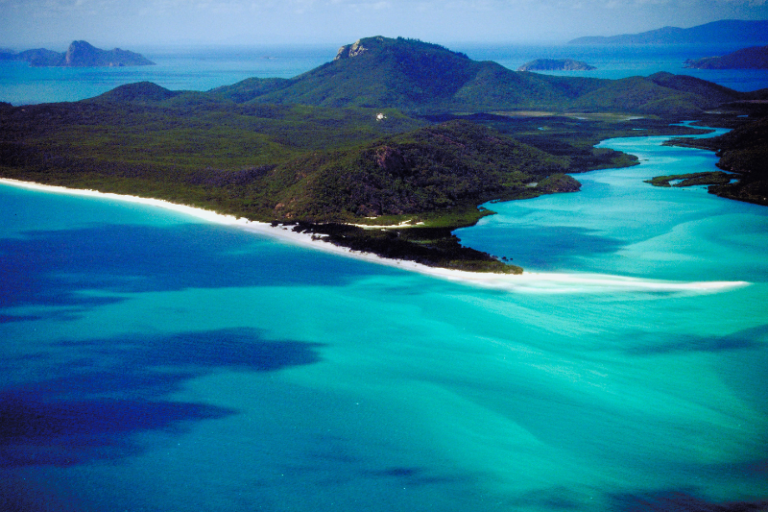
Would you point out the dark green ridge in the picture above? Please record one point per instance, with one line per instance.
(716, 32)
(755, 57)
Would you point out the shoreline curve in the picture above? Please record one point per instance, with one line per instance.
(527, 282)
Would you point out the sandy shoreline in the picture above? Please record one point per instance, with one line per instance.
(532, 282)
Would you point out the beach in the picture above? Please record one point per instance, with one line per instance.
(528, 282)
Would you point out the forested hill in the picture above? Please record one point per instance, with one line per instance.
(289, 163)
(423, 78)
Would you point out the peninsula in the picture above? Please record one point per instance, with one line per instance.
(386, 149)
(743, 153)
(555, 65)
(743, 32)
(79, 54)
(755, 57)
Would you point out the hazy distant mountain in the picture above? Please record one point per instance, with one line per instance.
(755, 57)
(79, 54)
(424, 78)
(555, 65)
(717, 32)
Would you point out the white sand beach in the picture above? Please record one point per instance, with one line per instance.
(528, 282)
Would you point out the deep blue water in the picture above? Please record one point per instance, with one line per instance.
(152, 361)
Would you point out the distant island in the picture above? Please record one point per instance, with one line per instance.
(717, 32)
(555, 65)
(755, 57)
(79, 54)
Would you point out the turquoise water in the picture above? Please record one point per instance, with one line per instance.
(151, 361)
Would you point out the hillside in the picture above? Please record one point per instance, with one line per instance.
(453, 165)
(421, 78)
(268, 162)
(80, 54)
(717, 32)
(755, 57)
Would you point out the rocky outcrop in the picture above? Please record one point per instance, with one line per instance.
(83, 54)
(351, 50)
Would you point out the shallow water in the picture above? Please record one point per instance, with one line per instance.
(151, 361)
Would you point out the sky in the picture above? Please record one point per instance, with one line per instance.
(128, 24)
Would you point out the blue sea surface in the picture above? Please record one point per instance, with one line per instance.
(152, 361)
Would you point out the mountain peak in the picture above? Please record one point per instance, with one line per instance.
(352, 50)
(78, 51)
(379, 44)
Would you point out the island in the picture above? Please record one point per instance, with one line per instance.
(691, 179)
(556, 65)
(755, 57)
(79, 54)
(386, 149)
(742, 32)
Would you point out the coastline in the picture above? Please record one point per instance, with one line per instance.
(528, 282)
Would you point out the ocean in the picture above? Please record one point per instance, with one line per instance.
(153, 361)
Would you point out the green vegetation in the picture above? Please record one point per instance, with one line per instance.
(692, 179)
(755, 57)
(429, 246)
(391, 133)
